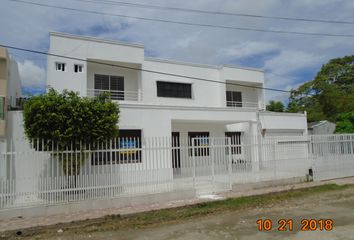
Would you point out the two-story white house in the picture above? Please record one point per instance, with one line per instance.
(160, 97)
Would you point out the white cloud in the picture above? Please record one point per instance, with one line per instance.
(28, 26)
(247, 49)
(250, 6)
(289, 61)
(31, 75)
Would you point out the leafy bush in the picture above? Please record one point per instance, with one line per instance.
(62, 121)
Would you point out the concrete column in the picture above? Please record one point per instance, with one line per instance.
(255, 145)
(25, 164)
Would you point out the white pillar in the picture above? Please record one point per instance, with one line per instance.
(255, 145)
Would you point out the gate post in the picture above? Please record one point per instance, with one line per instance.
(193, 160)
(230, 161)
(211, 144)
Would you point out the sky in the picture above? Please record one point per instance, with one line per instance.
(287, 59)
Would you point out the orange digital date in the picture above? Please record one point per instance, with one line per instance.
(288, 225)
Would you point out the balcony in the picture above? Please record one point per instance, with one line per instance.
(249, 105)
(117, 95)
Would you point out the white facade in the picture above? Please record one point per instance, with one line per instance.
(206, 110)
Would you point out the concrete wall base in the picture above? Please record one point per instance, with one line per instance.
(120, 202)
(273, 183)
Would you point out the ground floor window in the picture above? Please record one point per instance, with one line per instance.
(235, 141)
(126, 148)
(201, 143)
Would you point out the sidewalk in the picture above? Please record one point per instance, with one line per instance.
(23, 223)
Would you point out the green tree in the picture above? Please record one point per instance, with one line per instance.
(329, 94)
(345, 123)
(275, 106)
(62, 121)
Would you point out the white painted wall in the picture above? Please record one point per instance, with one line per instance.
(94, 48)
(214, 129)
(250, 75)
(238, 127)
(27, 165)
(85, 48)
(153, 114)
(156, 120)
(204, 94)
(280, 124)
(68, 79)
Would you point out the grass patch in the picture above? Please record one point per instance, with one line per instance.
(172, 215)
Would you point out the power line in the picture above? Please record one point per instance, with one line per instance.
(140, 69)
(187, 23)
(157, 7)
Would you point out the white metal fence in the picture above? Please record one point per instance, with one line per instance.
(333, 156)
(44, 173)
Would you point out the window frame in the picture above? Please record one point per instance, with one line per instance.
(118, 93)
(236, 98)
(236, 144)
(78, 68)
(60, 69)
(171, 90)
(199, 150)
(114, 153)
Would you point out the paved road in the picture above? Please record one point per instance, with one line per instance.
(338, 205)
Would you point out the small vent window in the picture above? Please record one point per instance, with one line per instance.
(78, 68)
(60, 66)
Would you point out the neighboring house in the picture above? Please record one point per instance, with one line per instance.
(321, 127)
(154, 104)
(10, 89)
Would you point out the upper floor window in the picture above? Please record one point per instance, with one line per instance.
(2, 108)
(172, 89)
(78, 68)
(233, 99)
(113, 84)
(59, 66)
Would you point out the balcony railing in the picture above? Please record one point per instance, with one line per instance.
(235, 104)
(117, 95)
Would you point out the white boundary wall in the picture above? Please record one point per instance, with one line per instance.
(42, 173)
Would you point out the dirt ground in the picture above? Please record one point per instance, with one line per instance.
(336, 205)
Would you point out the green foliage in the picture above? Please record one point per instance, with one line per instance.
(345, 123)
(275, 106)
(64, 121)
(329, 94)
(65, 118)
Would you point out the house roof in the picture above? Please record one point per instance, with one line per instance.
(95, 39)
(117, 42)
(311, 125)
